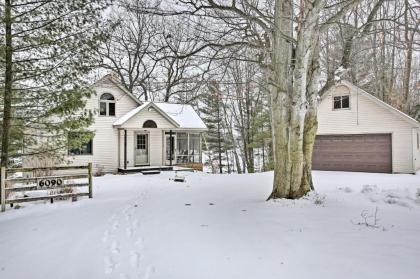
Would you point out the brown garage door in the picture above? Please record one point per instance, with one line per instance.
(364, 153)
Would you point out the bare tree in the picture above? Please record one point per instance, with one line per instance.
(132, 45)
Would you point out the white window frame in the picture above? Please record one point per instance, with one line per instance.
(107, 102)
(341, 102)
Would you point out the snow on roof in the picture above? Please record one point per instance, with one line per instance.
(129, 114)
(184, 115)
(401, 114)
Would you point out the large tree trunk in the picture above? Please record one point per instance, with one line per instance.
(8, 87)
(293, 100)
(250, 164)
(311, 120)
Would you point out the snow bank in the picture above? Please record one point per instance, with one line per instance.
(219, 226)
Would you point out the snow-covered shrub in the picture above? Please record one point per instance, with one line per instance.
(63, 190)
(389, 199)
(369, 219)
(346, 189)
(368, 189)
(396, 199)
(318, 199)
(99, 171)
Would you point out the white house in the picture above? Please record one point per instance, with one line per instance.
(129, 133)
(358, 132)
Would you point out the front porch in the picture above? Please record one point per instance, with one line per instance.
(155, 169)
(154, 149)
(159, 134)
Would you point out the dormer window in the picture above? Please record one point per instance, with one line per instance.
(342, 102)
(107, 105)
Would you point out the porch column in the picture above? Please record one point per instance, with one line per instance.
(119, 148)
(170, 147)
(200, 149)
(125, 149)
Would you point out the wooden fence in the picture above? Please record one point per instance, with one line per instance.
(35, 182)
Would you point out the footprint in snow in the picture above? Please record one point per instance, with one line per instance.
(105, 237)
(115, 247)
(135, 224)
(139, 243)
(115, 225)
(149, 271)
(134, 259)
(129, 232)
(110, 264)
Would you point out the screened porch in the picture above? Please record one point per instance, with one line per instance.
(182, 148)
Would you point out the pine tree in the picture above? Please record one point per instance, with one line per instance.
(47, 51)
(212, 114)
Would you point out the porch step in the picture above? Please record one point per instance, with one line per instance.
(147, 172)
(143, 169)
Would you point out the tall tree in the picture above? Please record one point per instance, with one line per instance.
(213, 115)
(287, 33)
(49, 47)
(132, 45)
(284, 36)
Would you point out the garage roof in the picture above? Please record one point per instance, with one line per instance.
(397, 112)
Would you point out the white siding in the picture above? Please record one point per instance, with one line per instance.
(416, 149)
(144, 115)
(135, 124)
(366, 116)
(156, 147)
(105, 141)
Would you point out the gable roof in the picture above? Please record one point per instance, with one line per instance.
(111, 79)
(180, 115)
(377, 101)
(183, 114)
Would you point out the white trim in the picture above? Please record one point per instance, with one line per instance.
(123, 119)
(147, 133)
(107, 102)
(397, 112)
(164, 114)
(120, 121)
(341, 102)
(118, 85)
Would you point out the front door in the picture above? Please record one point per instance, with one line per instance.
(142, 149)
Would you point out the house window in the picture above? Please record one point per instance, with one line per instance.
(107, 105)
(149, 124)
(80, 144)
(342, 102)
(141, 141)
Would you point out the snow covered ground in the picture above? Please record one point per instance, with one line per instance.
(219, 227)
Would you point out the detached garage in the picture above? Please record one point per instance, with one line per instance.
(358, 132)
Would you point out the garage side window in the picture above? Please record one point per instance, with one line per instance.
(342, 102)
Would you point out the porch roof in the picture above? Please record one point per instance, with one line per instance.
(181, 115)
